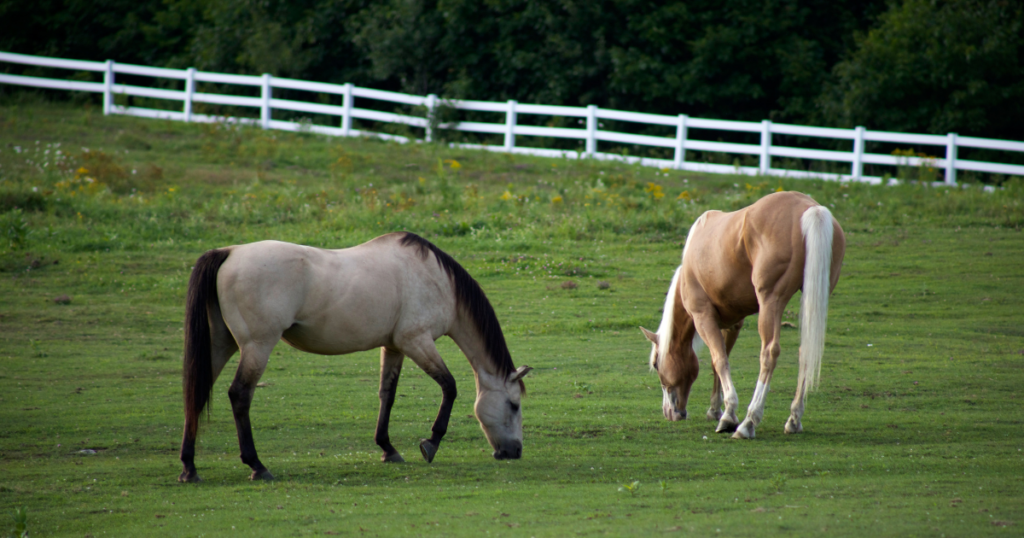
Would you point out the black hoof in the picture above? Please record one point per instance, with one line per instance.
(261, 475)
(726, 427)
(394, 457)
(191, 478)
(428, 450)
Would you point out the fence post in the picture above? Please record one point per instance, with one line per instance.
(346, 106)
(431, 107)
(108, 88)
(591, 130)
(265, 106)
(190, 90)
(510, 125)
(681, 142)
(951, 159)
(857, 169)
(766, 145)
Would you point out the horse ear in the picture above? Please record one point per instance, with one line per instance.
(653, 337)
(519, 374)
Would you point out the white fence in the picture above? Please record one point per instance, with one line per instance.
(588, 116)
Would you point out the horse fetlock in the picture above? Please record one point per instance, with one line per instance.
(714, 413)
(428, 449)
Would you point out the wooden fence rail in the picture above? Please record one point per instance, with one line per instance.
(590, 133)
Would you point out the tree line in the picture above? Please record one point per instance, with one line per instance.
(931, 66)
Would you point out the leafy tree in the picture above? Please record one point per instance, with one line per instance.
(936, 66)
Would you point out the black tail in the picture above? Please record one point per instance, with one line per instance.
(197, 374)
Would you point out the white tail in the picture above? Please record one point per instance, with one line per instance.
(816, 224)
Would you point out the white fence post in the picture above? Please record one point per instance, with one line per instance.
(431, 110)
(857, 169)
(951, 159)
(510, 125)
(265, 106)
(190, 90)
(591, 130)
(346, 114)
(766, 145)
(680, 142)
(108, 88)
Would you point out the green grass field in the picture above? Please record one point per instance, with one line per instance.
(917, 428)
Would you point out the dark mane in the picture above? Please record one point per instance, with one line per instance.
(469, 296)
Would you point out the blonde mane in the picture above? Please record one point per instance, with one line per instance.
(667, 319)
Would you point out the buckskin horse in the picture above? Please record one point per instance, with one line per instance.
(734, 265)
(398, 292)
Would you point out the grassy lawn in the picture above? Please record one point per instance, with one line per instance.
(917, 428)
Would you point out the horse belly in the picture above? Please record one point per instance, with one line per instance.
(332, 338)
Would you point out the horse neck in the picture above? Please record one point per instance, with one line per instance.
(469, 339)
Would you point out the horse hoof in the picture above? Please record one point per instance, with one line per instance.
(261, 475)
(726, 426)
(189, 478)
(745, 431)
(392, 458)
(793, 426)
(428, 450)
(714, 414)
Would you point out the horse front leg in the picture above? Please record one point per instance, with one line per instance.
(707, 328)
(717, 396)
(428, 447)
(423, 352)
(250, 369)
(390, 370)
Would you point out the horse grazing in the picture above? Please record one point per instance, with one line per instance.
(734, 265)
(397, 292)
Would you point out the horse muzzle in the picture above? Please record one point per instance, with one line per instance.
(670, 406)
(513, 451)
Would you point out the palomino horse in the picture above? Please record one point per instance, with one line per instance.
(397, 292)
(734, 265)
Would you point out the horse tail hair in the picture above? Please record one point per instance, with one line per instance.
(816, 225)
(197, 372)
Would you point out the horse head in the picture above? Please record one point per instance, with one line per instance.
(497, 410)
(677, 368)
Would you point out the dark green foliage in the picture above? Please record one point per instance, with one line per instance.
(937, 66)
(917, 65)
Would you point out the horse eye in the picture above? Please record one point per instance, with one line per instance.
(514, 406)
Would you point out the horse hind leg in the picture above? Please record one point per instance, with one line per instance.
(390, 370)
(796, 410)
(769, 325)
(250, 369)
